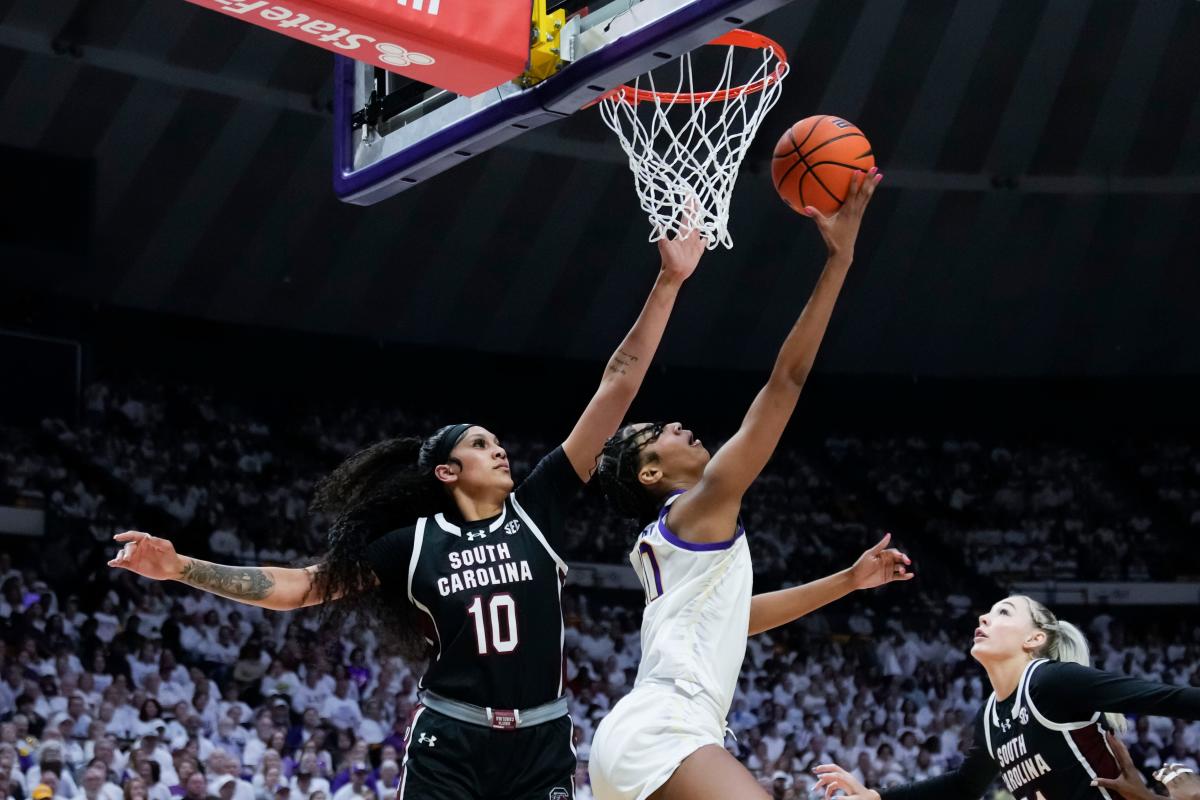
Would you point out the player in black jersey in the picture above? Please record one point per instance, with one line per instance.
(1043, 731)
(431, 538)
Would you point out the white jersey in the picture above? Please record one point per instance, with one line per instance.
(697, 615)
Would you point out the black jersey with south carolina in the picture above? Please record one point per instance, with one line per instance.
(1046, 740)
(491, 590)
(1040, 759)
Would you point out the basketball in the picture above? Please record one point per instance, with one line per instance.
(814, 159)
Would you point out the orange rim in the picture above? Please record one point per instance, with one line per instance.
(737, 38)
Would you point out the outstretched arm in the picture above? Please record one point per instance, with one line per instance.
(875, 567)
(276, 588)
(1067, 692)
(627, 368)
(968, 782)
(709, 512)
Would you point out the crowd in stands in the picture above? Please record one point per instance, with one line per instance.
(162, 692)
(111, 686)
(1040, 510)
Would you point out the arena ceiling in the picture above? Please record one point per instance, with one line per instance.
(1042, 163)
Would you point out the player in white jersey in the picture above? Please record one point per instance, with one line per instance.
(665, 739)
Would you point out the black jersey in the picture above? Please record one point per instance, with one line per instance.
(491, 590)
(1046, 741)
(1044, 760)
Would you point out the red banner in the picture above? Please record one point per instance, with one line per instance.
(466, 46)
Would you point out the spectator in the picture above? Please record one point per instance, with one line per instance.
(197, 787)
(357, 786)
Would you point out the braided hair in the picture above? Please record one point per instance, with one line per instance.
(388, 485)
(618, 468)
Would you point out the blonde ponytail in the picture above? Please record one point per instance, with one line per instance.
(1065, 642)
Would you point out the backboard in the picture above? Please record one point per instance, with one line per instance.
(392, 133)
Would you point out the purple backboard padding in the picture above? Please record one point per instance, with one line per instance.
(382, 179)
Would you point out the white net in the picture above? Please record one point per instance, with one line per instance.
(685, 147)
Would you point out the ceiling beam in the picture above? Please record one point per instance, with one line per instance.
(545, 141)
(153, 69)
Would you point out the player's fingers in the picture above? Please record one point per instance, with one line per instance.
(685, 221)
(1109, 783)
(868, 181)
(865, 182)
(131, 536)
(863, 195)
(1118, 748)
(834, 774)
(830, 784)
(872, 185)
(881, 545)
(1172, 772)
(856, 186)
(126, 553)
(816, 215)
(899, 556)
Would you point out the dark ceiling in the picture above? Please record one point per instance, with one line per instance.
(1040, 212)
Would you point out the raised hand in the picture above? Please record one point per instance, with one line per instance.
(833, 778)
(881, 565)
(681, 254)
(147, 556)
(840, 230)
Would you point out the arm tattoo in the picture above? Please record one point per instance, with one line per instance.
(236, 583)
(621, 361)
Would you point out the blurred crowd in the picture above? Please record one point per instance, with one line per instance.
(112, 687)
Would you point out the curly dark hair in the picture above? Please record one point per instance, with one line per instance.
(387, 486)
(617, 471)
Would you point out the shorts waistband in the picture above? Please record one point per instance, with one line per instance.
(503, 719)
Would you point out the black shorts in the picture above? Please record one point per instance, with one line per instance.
(451, 760)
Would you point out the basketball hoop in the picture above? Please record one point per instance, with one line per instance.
(684, 168)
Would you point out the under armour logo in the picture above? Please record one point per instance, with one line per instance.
(559, 793)
(427, 739)
(512, 527)
(1005, 725)
(398, 56)
(473, 535)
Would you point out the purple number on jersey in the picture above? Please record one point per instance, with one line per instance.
(646, 553)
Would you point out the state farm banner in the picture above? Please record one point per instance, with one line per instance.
(466, 46)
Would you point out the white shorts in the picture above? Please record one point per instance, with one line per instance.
(646, 736)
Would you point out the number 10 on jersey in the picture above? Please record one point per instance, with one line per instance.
(495, 623)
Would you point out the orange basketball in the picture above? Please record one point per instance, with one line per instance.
(814, 160)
